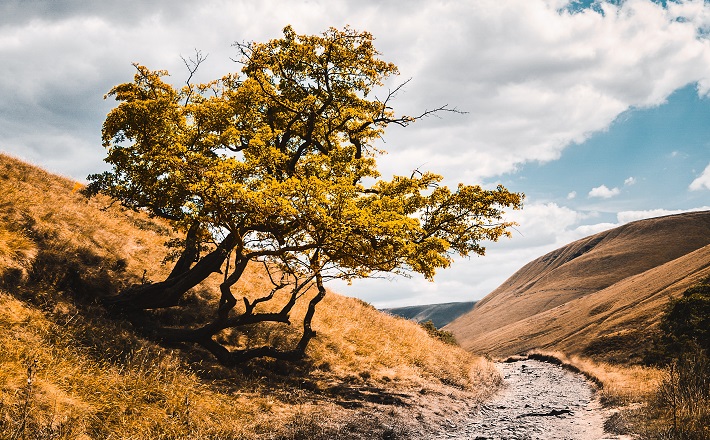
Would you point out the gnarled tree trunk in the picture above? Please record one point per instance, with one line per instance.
(169, 292)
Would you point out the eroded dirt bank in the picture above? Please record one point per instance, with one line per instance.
(539, 401)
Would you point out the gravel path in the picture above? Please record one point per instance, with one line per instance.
(539, 401)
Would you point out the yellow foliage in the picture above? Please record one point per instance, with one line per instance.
(279, 155)
(276, 164)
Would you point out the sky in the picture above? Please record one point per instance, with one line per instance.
(598, 111)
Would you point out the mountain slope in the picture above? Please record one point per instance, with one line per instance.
(438, 314)
(73, 369)
(599, 296)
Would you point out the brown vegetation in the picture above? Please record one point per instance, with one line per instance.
(599, 297)
(71, 369)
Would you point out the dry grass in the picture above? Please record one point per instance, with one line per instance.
(618, 385)
(150, 394)
(681, 407)
(368, 375)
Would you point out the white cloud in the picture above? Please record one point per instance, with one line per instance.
(702, 182)
(571, 195)
(630, 216)
(543, 227)
(630, 181)
(603, 192)
(543, 220)
(533, 79)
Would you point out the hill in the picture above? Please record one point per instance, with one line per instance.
(438, 314)
(73, 369)
(599, 296)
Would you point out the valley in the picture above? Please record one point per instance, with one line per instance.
(438, 314)
(593, 304)
(599, 297)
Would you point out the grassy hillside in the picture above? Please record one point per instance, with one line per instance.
(70, 369)
(438, 314)
(600, 296)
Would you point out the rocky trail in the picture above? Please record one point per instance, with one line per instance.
(539, 401)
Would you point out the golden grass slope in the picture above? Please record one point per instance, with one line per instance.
(600, 296)
(368, 375)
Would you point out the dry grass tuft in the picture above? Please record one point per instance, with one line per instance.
(681, 407)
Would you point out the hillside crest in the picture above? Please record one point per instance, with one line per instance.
(600, 295)
(439, 314)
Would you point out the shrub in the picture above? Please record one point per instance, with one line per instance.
(686, 323)
(681, 407)
(442, 335)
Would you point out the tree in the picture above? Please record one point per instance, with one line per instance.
(276, 165)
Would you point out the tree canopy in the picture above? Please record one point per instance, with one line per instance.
(277, 164)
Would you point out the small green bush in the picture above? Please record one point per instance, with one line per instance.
(442, 335)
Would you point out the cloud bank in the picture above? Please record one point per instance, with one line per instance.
(533, 77)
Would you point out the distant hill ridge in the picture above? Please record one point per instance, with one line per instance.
(438, 314)
(600, 296)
